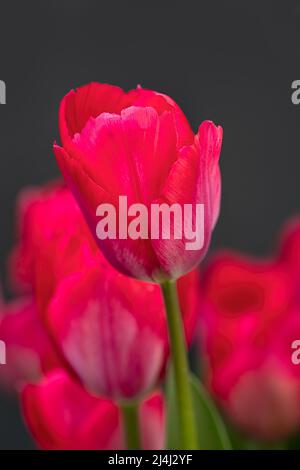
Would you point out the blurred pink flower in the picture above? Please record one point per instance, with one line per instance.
(250, 317)
(61, 415)
(29, 350)
(50, 230)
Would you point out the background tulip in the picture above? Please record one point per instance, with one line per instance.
(112, 330)
(63, 416)
(49, 226)
(139, 145)
(250, 317)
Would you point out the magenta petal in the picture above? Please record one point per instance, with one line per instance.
(61, 415)
(115, 343)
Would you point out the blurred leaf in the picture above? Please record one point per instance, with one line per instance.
(211, 429)
(293, 443)
(241, 441)
(173, 437)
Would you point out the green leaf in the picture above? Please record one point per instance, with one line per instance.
(212, 433)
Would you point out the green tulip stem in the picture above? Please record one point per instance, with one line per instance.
(180, 367)
(130, 414)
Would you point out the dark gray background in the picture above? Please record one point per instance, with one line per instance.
(232, 62)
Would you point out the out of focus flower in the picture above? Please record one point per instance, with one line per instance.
(250, 318)
(50, 229)
(111, 329)
(61, 415)
(29, 351)
(23, 259)
(140, 145)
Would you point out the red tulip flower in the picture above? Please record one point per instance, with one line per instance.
(113, 330)
(139, 146)
(23, 258)
(250, 318)
(50, 230)
(61, 415)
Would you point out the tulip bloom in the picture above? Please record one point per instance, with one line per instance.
(113, 329)
(250, 318)
(63, 416)
(22, 260)
(139, 145)
(53, 241)
(50, 229)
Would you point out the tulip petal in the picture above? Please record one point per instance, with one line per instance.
(115, 343)
(193, 179)
(29, 350)
(131, 257)
(57, 411)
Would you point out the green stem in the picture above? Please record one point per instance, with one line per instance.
(180, 367)
(130, 412)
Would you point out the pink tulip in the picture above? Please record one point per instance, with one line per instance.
(139, 145)
(61, 415)
(112, 329)
(250, 319)
(28, 347)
